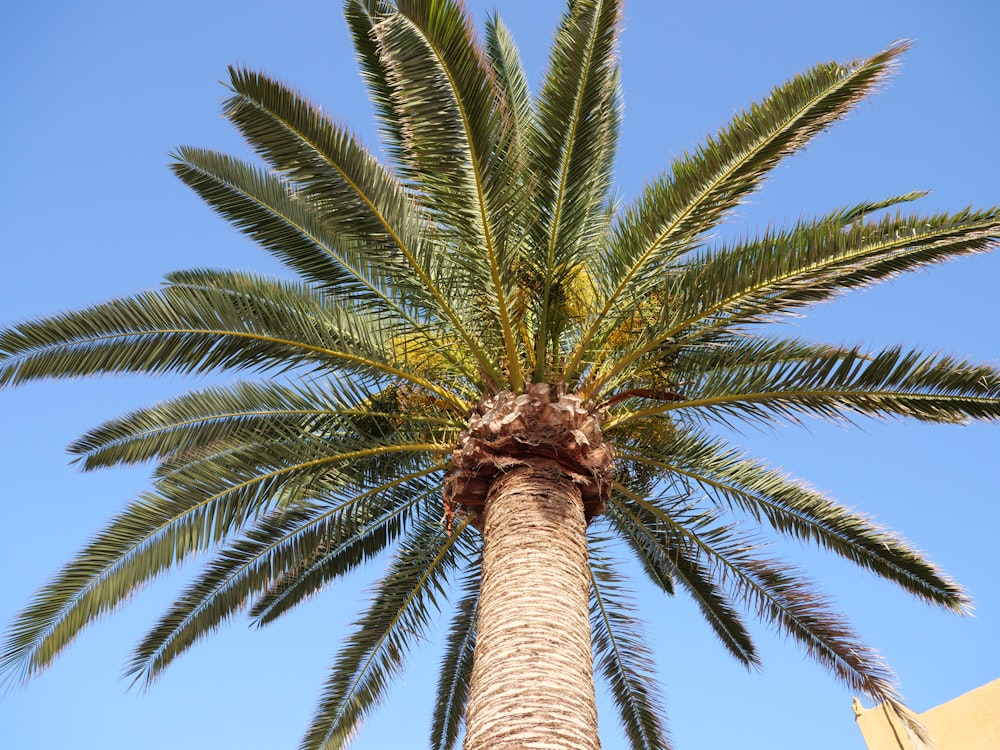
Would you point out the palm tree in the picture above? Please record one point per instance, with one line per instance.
(492, 368)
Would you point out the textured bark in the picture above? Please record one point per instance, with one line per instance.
(532, 680)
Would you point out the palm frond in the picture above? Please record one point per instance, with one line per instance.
(682, 205)
(328, 169)
(522, 212)
(195, 506)
(890, 383)
(572, 153)
(198, 325)
(780, 595)
(220, 415)
(107, 571)
(784, 598)
(351, 192)
(815, 261)
(622, 656)
(782, 272)
(267, 208)
(509, 75)
(335, 256)
(671, 373)
(398, 615)
(345, 533)
(457, 133)
(299, 460)
(176, 330)
(362, 17)
(456, 665)
(652, 326)
(736, 482)
(861, 211)
(227, 417)
(665, 555)
(223, 588)
(406, 495)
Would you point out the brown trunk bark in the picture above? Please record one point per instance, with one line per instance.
(533, 676)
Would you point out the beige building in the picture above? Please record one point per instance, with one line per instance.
(969, 722)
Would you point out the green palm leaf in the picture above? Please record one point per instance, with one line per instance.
(790, 508)
(622, 656)
(331, 172)
(704, 185)
(362, 16)
(511, 79)
(268, 209)
(665, 557)
(199, 328)
(780, 595)
(682, 205)
(780, 273)
(817, 260)
(194, 422)
(196, 506)
(833, 384)
(409, 494)
(458, 141)
(456, 665)
(399, 612)
(573, 150)
(343, 534)
(365, 206)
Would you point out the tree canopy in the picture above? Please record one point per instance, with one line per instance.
(488, 256)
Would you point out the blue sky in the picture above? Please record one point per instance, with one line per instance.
(97, 94)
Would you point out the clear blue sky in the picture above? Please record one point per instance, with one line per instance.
(96, 94)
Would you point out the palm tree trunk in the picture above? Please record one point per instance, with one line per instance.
(533, 677)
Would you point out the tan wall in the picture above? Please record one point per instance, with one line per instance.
(969, 722)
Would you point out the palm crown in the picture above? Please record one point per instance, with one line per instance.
(486, 267)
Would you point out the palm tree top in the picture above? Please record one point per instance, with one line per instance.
(480, 301)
